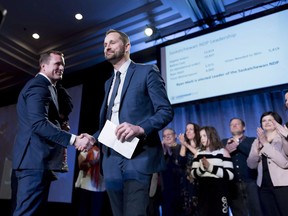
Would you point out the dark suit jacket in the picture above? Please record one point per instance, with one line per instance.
(39, 142)
(143, 102)
(239, 158)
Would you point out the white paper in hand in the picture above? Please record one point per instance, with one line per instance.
(108, 138)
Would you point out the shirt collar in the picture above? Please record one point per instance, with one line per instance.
(123, 69)
(46, 78)
(242, 138)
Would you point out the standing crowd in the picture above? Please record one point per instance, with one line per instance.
(239, 175)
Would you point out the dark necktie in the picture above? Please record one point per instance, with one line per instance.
(113, 95)
(55, 96)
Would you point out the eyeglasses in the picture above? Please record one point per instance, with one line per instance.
(168, 135)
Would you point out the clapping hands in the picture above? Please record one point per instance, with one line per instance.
(282, 130)
(205, 163)
(84, 142)
(182, 140)
(261, 136)
(232, 144)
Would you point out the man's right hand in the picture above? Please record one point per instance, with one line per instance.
(84, 142)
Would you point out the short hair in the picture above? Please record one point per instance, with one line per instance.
(45, 57)
(168, 128)
(242, 122)
(123, 36)
(275, 115)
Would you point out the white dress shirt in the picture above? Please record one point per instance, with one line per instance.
(115, 109)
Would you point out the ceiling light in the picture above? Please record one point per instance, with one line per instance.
(148, 31)
(152, 33)
(36, 36)
(78, 16)
(3, 13)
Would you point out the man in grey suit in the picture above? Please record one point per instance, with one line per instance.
(140, 109)
(40, 142)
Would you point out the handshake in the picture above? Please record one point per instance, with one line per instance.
(84, 142)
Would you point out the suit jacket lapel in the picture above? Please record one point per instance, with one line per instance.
(107, 89)
(130, 72)
(104, 104)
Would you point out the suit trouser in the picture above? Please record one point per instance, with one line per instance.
(30, 189)
(245, 200)
(132, 201)
(127, 188)
(92, 203)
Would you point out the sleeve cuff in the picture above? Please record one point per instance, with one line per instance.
(210, 168)
(72, 139)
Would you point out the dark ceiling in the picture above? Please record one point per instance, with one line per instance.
(81, 41)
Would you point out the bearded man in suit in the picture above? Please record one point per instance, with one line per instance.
(141, 108)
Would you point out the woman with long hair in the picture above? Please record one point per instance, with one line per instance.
(190, 145)
(213, 168)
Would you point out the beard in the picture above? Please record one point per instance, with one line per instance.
(115, 56)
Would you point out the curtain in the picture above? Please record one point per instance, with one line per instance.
(218, 112)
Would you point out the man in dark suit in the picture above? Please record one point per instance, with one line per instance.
(40, 141)
(140, 109)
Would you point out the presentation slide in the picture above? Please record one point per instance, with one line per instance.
(250, 55)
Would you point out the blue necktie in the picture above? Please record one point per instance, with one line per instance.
(113, 95)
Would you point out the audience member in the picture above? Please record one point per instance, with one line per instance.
(283, 129)
(140, 109)
(213, 168)
(244, 195)
(286, 99)
(172, 176)
(268, 156)
(39, 142)
(190, 145)
(93, 199)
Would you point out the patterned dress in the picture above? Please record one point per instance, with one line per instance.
(189, 186)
